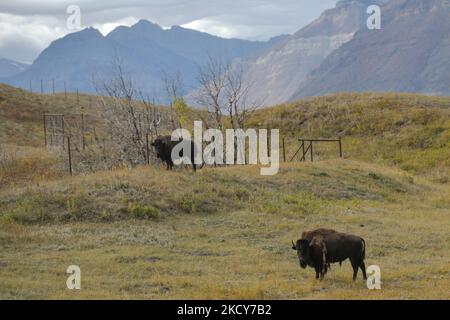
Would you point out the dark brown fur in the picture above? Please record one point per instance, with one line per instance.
(164, 145)
(338, 247)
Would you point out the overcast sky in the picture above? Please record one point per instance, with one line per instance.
(28, 26)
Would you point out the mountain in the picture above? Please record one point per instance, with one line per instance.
(190, 44)
(10, 67)
(409, 54)
(277, 74)
(72, 59)
(146, 51)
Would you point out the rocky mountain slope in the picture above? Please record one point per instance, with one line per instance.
(146, 50)
(409, 54)
(277, 74)
(10, 67)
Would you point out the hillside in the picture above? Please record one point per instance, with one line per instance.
(158, 233)
(226, 232)
(409, 131)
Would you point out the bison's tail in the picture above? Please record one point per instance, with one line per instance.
(363, 250)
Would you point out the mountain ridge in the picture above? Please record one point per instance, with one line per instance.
(148, 52)
(9, 67)
(409, 54)
(278, 73)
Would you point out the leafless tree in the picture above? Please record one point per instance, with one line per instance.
(224, 92)
(174, 88)
(130, 115)
(239, 109)
(212, 80)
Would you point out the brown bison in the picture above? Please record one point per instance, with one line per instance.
(313, 253)
(308, 235)
(334, 246)
(164, 145)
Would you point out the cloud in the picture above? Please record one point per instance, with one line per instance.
(28, 26)
(23, 38)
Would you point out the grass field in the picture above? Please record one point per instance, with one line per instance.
(226, 232)
(235, 245)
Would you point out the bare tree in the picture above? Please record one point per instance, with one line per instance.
(174, 88)
(224, 92)
(239, 109)
(212, 80)
(130, 116)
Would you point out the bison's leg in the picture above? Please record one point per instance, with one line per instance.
(170, 164)
(322, 273)
(363, 269)
(355, 267)
(318, 271)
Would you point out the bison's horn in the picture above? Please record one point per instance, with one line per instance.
(293, 245)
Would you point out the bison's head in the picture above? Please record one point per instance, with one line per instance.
(158, 144)
(302, 248)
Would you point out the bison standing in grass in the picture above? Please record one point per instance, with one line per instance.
(164, 145)
(319, 248)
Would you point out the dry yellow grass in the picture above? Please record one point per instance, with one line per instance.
(240, 250)
(226, 232)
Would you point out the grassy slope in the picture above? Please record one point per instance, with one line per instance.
(409, 131)
(226, 233)
(21, 113)
(223, 233)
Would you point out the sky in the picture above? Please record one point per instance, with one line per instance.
(29, 26)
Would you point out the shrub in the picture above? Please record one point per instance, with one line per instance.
(187, 204)
(143, 211)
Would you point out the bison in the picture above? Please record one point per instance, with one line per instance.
(308, 235)
(337, 247)
(164, 145)
(313, 253)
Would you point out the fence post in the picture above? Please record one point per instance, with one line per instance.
(147, 148)
(82, 132)
(52, 122)
(70, 155)
(311, 144)
(45, 130)
(284, 151)
(340, 147)
(303, 151)
(53, 86)
(63, 130)
(42, 87)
